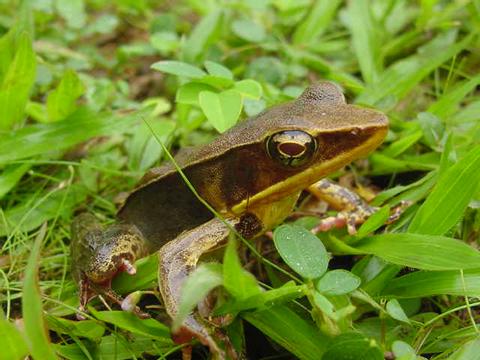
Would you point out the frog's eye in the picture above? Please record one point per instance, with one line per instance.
(291, 147)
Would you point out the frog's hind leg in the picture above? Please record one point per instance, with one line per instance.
(353, 210)
(178, 259)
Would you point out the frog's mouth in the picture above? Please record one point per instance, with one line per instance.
(312, 174)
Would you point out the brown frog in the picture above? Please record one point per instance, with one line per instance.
(251, 175)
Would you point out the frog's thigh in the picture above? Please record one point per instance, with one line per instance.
(178, 258)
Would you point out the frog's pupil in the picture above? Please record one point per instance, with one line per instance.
(292, 149)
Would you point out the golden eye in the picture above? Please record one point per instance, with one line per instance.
(291, 147)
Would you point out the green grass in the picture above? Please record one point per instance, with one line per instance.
(79, 82)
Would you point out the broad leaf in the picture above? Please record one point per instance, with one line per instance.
(179, 68)
(301, 250)
(338, 282)
(204, 278)
(222, 110)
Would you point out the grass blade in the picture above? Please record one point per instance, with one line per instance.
(365, 40)
(35, 327)
(11, 342)
(401, 77)
(426, 252)
(428, 283)
(290, 330)
(449, 198)
(317, 20)
(448, 103)
(17, 83)
(81, 125)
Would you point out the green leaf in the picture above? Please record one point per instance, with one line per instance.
(401, 145)
(144, 278)
(249, 88)
(203, 35)
(217, 82)
(17, 84)
(10, 177)
(189, 93)
(81, 125)
(323, 304)
(34, 211)
(130, 322)
(449, 198)
(403, 351)
(365, 39)
(318, 19)
(248, 30)
(428, 283)
(11, 342)
(290, 330)
(468, 351)
(353, 346)
(238, 282)
(394, 309)
(61, 102)
(378, 219)
(266, 299)
(196, 287)
(338, 282)
(35, 328)
(222, 110)
(219, 70)
(90, 329)
(301, 250)
(179, 68)
(421, 251)
(7, 51)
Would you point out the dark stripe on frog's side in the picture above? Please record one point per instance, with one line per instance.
(164, 208)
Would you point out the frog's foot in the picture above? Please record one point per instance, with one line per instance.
(398, 210)
(350, 219)
(90, 290)
(195, 328)
(358, 216)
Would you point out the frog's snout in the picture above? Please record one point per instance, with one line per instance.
(107, 266)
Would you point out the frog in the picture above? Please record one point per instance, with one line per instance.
(252, 176)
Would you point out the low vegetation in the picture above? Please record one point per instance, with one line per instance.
(91, 91)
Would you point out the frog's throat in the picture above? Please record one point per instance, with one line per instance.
(309, 176)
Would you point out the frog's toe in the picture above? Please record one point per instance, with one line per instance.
(128, 267)
(350, 219)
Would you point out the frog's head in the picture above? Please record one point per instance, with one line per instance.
(289, 147)
(115, 250)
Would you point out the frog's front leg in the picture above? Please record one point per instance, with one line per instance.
(353, 210)
(177, 259)
(99, 254)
